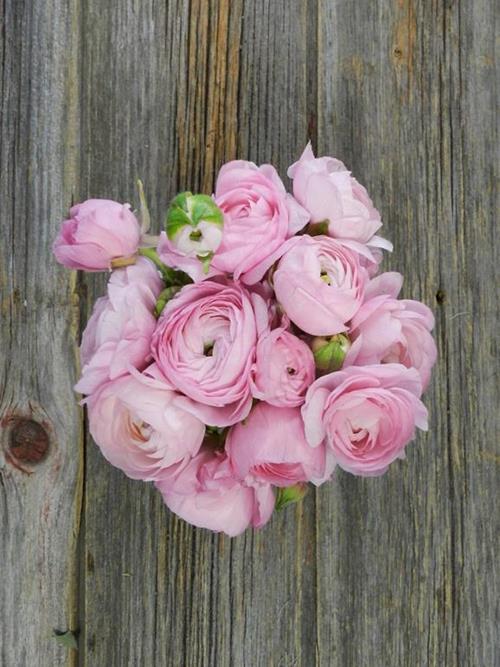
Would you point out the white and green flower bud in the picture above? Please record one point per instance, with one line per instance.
(329, 353)
(194, 225)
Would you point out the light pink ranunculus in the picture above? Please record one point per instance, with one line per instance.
(205, 492)
(204, 344)
(365, 415)
(139, 428)
(118, 334)
(329, 193)
(270, 446)
(283, 370)
(320, 284)
(386, 329)
(258, 216)
(98, 231)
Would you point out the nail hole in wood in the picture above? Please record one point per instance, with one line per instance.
(440, 296)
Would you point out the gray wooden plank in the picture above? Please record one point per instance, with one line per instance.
(406, 563)
(39, 498)
(191, 598)
(130, 74)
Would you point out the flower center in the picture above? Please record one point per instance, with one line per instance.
(208, 349)
(139, 430)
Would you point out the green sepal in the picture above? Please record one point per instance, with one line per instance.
(164, 297)
(205, 260)
(170, 276)
(289, 495)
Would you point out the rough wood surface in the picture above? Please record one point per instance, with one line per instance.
(394, 571)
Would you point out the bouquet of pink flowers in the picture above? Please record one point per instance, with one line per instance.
(253, 346)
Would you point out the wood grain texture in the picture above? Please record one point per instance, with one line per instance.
(394, 571)
(39, 501)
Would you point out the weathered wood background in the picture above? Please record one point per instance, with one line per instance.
(400, 570)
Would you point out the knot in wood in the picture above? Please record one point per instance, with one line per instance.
(29, 441)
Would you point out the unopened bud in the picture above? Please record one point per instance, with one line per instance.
(329, 353)
(290, 494)
(194, 225)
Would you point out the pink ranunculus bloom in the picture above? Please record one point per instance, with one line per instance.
(205, 492)
(365, 415)
(118, 334)
(283, 370)
(397, 331)
(320, 284)
(329, 193)
(204, 344)
(386, 329)
(270, 446)
(98, 231)
(258, 216)
(139, 428)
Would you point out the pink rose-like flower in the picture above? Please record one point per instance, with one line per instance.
(204, 344)
(320, 283)
(118, 334)
(98, 231)
(205, 492)
(258, 216)
(365, 415)
(329, 193)
(270, 446)
(386, 329)
(283, 370)
(140, 429)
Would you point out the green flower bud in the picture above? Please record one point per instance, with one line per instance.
(329, 354)
(290, 494)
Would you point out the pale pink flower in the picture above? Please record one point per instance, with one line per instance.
(118, 334)
(98, 231)
(140, 429)
(258, 216)
(283, 370)
(320, 284)
(386, 329)
(365, 415)
(270, 446)
(205, 492)
(330, 194)
(204, 344)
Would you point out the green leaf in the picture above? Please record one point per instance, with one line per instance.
(289, 495)
(66, 639)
